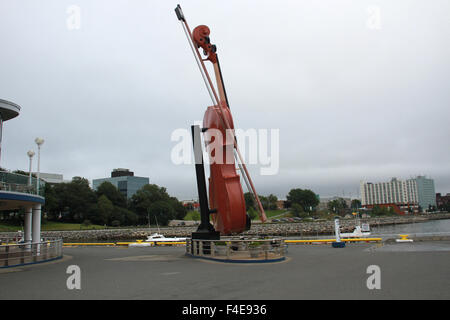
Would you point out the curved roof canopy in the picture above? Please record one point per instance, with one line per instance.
(8, 110)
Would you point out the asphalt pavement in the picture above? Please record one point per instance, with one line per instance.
(403, 271)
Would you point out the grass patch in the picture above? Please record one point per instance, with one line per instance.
(63, 226)
(52, 226)
(192, 216)
(9, 228)
(273, 213)
(195, 215)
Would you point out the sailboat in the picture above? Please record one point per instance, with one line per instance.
(155, 238)
(158, 237)
(359, 231)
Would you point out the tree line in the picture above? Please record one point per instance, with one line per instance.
(302, 203)
(76, 202)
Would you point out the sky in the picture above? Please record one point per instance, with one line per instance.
(359, 90)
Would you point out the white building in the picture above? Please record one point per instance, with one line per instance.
(395, 191)
(51, 177)
(408, 192)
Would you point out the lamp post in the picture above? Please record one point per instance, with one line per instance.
(29, 210)
(39, 142)
(30, 154)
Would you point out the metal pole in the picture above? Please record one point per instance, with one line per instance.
(200, 172)
(38, 169)
(36, 233)
(39, 142)
(29, 178)
(1, 134)
(30, 155)
(28, 223)
(205, 230)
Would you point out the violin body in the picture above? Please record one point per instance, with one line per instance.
(225, 189)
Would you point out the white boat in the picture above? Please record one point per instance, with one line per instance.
(154, 239)
(357, 233)
(157, 237)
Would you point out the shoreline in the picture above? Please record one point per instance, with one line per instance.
(313, 228)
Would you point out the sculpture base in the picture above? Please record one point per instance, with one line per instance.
(208, 235)
(338, 244)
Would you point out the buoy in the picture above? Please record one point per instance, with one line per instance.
(404, 238)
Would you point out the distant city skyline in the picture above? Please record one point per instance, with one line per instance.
(344, 194)
(353, 98)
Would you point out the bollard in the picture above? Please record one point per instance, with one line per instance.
(404, 238)
(7, 255)
(338, 243)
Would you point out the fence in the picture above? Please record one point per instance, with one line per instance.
(16, 254)
(20, 183)
(238, 250)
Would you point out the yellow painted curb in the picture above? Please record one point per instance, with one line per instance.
(88, 244)
(334, 240)
(70, 244)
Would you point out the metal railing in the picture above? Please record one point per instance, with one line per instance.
(16, 254)
(20, 183)
(236, 249)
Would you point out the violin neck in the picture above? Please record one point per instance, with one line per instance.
(220, 87)
(220, 84)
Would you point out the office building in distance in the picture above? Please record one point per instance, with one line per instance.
(404, 196)
(124, 180)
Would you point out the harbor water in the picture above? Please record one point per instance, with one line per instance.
(432, 227)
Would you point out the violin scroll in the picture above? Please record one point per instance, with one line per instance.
(200, 37)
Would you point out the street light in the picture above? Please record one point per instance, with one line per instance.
(39, 142)
(30, 154)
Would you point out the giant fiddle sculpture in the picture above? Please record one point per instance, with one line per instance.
(226, 198)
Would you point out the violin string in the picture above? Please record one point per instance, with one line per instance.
(198, 64)
(243, 175)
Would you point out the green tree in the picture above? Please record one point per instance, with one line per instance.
(131, 218)
(338, 206)
(304, 197)
(74, 200)
(105, 210)
(51, 203)
(252, 213)
(112, 193)
(272, 201)
(297, 210)
(180, 210)
(161, 212)
(264, 202)
(155, 201)
(249, 200)
(356, 204)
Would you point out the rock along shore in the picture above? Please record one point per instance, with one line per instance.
(312, 228)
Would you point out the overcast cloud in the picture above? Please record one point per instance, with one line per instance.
(352, 102)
